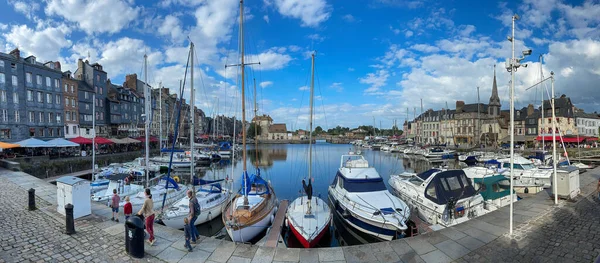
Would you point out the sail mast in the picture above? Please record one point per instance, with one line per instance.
(192, 113)
(255, 131)
(312, 90)
(147, 112)
(243, 102)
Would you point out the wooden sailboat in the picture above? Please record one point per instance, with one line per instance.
(308, 216)
(251, 210)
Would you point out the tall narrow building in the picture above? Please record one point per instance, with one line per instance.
(494, 106)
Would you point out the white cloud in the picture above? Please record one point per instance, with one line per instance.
(25, 7)
(108, 16)
(466, 30)
(269, 60)
(265, 84)
(349, 18)
(316, 37)
(375, 80)
(310, 12)
(351, 69)
(396, 31)
(266, 18)
(425, 48)
(408, 33)
(337, 86)
(171, 27)
(304, 88)
(44, 43)
(294, 48)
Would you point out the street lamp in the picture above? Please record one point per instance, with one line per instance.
(511, 66)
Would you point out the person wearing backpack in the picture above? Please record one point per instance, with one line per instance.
(194, 208)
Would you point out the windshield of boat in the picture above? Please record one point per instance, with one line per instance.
(501, 186)
(363, 185)
(528, 166)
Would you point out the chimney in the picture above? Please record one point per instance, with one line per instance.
(529, 110)
(57, 65)
(130, 81)
(16, 53)
(459, 106)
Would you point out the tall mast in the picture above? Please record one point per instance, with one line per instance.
(478, 118)
(147, 112)
(554, 157)
(312, 90)
(422, 126)
(243, 102)
(160, 115)
(192, 113)
(94, 135)
(255, 131)
(542, 91)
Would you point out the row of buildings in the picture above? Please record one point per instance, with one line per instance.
(480, 123)
(39, 100)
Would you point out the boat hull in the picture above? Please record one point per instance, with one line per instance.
(308, 228)
(248, 233)
(205, 216)
(305, 243)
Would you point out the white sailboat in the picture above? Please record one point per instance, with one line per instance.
(251, 210)
(308, 216)
(210, 195)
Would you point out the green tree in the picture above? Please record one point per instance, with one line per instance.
(318, 130)
(251, 130)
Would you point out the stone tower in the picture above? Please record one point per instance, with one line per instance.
(494, 106)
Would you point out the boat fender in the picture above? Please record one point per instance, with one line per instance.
(286, 223)
(272, 219)
(176, 179)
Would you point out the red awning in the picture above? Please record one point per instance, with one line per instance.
(143, 139)
(564, 139)
(102, 140)
(81, 140)
(591, 139)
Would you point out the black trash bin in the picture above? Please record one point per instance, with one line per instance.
(134, 237)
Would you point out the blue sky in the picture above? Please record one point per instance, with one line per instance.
(375, 58)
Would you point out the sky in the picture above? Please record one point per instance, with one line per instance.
(376, 60)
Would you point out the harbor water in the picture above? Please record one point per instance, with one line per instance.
(285, 165)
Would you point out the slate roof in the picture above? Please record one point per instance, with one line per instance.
(278, 128)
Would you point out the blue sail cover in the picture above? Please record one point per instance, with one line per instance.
(170, 182)
(225, 146)
(250, 180)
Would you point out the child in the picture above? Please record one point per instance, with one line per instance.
(127, 209)
(114, 204)
(188, 232)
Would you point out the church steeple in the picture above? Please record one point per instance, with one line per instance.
(494, 106)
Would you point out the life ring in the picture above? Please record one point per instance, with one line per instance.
(176, 179)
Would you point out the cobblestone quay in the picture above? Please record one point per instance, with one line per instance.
(544, 232)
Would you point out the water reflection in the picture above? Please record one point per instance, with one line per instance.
(286, 165)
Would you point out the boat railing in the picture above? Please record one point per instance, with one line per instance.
(353, 161)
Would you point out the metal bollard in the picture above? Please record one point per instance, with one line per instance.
(69, 219)
(31, 199)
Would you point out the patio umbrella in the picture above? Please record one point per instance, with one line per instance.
(81, 140)
(33, 143)
(60, 142)
(102, 140)
(4, 145)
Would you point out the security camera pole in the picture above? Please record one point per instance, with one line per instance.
(511, 66)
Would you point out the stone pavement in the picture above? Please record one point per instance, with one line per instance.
(544, 232)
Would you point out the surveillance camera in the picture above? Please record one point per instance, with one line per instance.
(524, 65)
(516, 17)
(509, 38)
(527, 52)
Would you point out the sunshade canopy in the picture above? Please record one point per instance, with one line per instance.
(33, 143)
(60, 142)
(81, 140)
(102, 140)
(4, 145)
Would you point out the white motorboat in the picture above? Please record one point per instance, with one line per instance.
(493, 187)
(212, 199)
(438, 153)
(179, 161)
(360, 198)
(440, 197)
(527, 177)
(117, 181)
(582, 167)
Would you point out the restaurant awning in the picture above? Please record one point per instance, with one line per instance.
(81, 140)
(102, 140)
(60, 142)
(5, 145)
(33, 143)
(118, 141)
(143, 139)
(564, 139)
(130, 140)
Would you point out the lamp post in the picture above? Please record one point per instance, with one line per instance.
(511, 66)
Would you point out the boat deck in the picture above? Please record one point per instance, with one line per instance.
(275, 233)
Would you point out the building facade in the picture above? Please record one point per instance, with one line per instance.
(565, 117)
(587, 124)
(71, 105)
(94, 91)
(31, 99)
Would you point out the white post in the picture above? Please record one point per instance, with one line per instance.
(94, 135)
(512, 123)
(160, 115)
(554, 158)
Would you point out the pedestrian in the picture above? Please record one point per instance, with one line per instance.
(127, 208)
(147, 211)
(114, 204)
(194, 208)
(187, 230)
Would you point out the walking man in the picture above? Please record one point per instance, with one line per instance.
(193, 215)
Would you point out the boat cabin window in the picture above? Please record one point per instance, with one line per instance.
(515, 166)
(501, 186)
(363, 185)
(426, 174)
(480, 187)
(243, 207)
(528, 166)
(430, 192)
